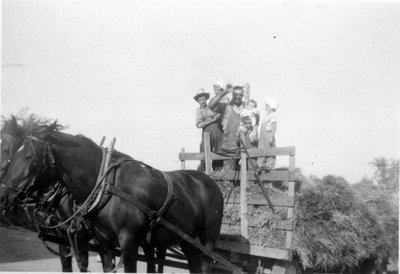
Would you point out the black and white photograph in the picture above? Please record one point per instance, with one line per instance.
(204, 136)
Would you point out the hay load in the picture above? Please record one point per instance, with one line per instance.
(335, 228)
(336, 224)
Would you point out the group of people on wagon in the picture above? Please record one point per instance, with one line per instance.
(231, 116)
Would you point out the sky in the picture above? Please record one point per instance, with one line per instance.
(130, 69)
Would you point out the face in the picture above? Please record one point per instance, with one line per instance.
(20, 173)
(268, 109)
(251, 105)
(217, 89)
(237, 96)
(202, 101)
(247, 125)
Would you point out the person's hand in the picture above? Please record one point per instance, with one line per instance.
(271, 141)
(229, 88)
(216, 116)
(242, 129)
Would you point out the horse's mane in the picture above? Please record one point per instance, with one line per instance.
(21, 125)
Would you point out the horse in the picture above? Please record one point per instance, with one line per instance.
(11, 133)
(196, 207)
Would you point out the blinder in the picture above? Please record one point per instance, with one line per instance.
(48, 162)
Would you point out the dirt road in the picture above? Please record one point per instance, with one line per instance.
(21, 250)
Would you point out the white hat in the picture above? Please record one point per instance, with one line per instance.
(247, 113)
(200, 93)
(220, 84)
(273, 103)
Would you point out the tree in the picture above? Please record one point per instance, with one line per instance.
(387, 173)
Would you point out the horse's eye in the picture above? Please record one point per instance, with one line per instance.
(28, 158)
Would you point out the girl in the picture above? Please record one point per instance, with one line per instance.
(267, 135)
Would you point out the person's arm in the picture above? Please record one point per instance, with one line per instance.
(203, 124)
(273, 127)
(254, 135)
(214, 101)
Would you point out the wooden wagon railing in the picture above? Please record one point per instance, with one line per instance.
(278, 175)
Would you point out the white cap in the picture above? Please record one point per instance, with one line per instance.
(247, 113)
(220, 84)
(273, 103)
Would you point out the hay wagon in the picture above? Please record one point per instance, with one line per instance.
(255, 258)
(230, 254)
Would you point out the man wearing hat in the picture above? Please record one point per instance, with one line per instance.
(207, 120)
(230, 115)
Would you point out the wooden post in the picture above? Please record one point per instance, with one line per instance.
(244, 225)
(207, 153)
(291, 192)
(183, 164)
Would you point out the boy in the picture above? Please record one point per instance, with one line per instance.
(247, 131)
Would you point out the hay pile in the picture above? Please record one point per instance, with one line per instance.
(336, 225)
(333, 227)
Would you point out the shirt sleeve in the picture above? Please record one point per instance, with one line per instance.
(273, 118)
(199, 116)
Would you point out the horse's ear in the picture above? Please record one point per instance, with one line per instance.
(59, 140)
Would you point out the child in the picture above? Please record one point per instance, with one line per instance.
(252, 108)
(267, 135)
(247, 125)
(247, 131)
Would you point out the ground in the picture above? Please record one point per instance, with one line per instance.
(21, 250)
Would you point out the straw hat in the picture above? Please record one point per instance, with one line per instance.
(200, 93)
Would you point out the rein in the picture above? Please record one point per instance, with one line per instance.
(83, 209)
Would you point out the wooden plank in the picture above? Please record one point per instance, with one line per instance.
(183, 164)
(261, 251)
(253, 152)
(261, 201)
(286, 225)
(215, 156)
(244, 227)
(275, 151)
(258, 152)
(195, 156)
(207, 153)
(274, 175)
(291, 193)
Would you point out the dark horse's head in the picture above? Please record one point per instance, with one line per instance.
(14, 129)
(25, 161)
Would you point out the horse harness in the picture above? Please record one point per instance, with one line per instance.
(85, 210)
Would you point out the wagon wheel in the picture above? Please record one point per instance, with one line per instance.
(285, 268)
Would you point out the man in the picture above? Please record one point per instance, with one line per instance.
(230, 118)
(207, 120)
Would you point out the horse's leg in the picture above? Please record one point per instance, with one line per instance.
(107, 260)
(129, 251)
(193, 256)
(205, 239)
(149, 253)
(83, 257)
(65, 258)
(161, 252)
